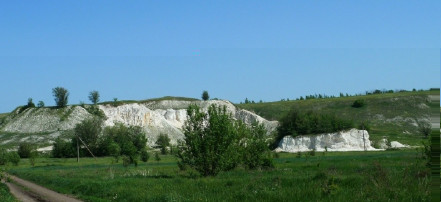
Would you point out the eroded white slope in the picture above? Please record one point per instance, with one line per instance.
(351, 140)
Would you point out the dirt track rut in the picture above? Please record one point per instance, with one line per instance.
(26, 191)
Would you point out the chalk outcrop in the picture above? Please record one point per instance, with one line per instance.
(155, 117)
(352, 140)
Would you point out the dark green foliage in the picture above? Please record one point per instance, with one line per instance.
(88, 131)
(298, 123)
(14, 158)
(94, 97)
(64, 149)
(113, 149)
(40, 104)
(30, 103)
(205, 95)
(210, 141)
(4, 157)
(94, 110)
(131, 141)
(255, 152)
(215, 142)
(163, 142)
(25, 150)
(358, 103)
(157, 157)
(61, 96)
(145, 156)
(424, 128)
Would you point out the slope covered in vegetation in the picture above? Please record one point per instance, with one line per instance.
(390, 115)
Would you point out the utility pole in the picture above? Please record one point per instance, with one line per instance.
(78, 151)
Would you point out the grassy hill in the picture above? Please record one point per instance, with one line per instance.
(390, 115)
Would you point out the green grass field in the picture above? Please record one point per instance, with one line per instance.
(335, 176)
(5, 196)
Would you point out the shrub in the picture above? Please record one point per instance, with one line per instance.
(157, 157)
(215, 142)
(358, 103)
(63, 149)
(163, 142)
(424, 128)
(256, 153)
(4, 158)
(14, 158)
(145, 156)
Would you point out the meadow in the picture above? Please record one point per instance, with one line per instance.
(399, 175)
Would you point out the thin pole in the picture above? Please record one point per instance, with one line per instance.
(78, 151)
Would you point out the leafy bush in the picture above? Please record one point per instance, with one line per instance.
(14, 158)
(157, 157)
(6, 157)
(64, 149)
(215, 142)
(358, 103)
(145, 156)
(163, 142)
(255, 152)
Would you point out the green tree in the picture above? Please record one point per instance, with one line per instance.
(255, 150)
(63, 149)
(88, 131)
(205, 95)
(25, 150)
(40, 104)
(211, 141)
(94, 97)
(30, 103)
(163, 142)
(61, 96)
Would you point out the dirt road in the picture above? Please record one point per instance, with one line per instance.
(27, 191)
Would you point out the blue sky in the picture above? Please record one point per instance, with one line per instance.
(234, 49)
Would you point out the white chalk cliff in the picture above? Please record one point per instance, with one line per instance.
(351, 140)
(155, 117)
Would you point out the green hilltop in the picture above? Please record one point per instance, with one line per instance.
(388, 115)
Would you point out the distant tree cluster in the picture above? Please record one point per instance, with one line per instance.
(300, 123)
(116, 141)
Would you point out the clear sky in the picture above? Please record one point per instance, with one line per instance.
(260, 50)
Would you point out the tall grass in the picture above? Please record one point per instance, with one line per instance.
(336, 176)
